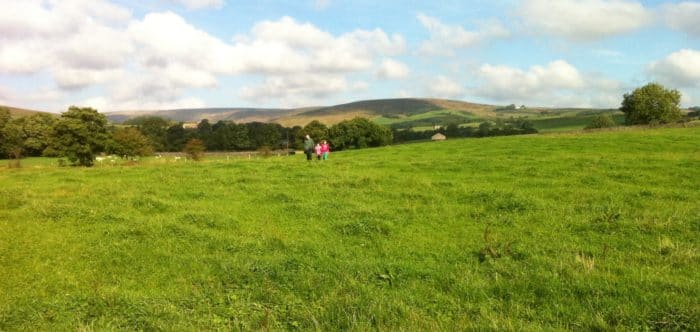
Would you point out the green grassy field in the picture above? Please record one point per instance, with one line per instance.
(593, 231)
(568, 123)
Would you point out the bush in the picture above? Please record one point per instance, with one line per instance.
(194, 149)
(601, 121)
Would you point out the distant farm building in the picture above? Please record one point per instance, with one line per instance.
(189, 125)
(438, 137)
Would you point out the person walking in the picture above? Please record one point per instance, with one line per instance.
(325, 149)
(308, 147)
(317, 148)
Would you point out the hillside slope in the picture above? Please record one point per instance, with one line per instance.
(20, 112)
(389, 108)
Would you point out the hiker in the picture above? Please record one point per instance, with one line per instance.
(325, 149)
(317, 148)
(308, 147)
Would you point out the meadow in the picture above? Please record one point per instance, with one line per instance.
(563, 231)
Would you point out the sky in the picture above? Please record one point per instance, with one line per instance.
(167, 54)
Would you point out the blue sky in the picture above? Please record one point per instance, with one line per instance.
(164, 54)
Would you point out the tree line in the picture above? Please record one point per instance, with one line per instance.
(80, 134)
(499, 127)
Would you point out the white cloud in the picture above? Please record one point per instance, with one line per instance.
(445, 38)
(584, 19)
(555, 84)
(683, 16)
(292, 33)
(23, 57)
(443, 87)
(156, 59)
(166, 38)
(200, 4)
(289, 46)
(295, 89)
(103, 104)
(95, 47)
(392, 69)
(72, 78)
(679, 69)
(35, 35)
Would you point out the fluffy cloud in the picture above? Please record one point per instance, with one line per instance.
(200, 4)
(444, 39)
(679, 69)
(557, 83)
(584, 19)
(289, 46)
(295, 90)
(392, 69)
(75, 34)
(166, 38)
(25, 57)
(683, 16)
(443, 87)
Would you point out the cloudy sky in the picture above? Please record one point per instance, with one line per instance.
(164, 54)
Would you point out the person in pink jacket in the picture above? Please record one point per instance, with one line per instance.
(317, 148)
(325, 149)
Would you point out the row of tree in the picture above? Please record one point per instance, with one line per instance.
(500, 127)
(79, 134)
(230, 136)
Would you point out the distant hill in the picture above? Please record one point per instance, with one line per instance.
(373, 109)
(212, 114)
(20, 112)
(399, 113)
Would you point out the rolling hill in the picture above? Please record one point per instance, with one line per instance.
(20, 112)
(373, 109)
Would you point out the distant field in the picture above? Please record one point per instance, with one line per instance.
(592, 231)
(568, 122)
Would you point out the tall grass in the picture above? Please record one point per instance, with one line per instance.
(589, 231)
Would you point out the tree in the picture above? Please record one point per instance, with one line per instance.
(12, 140)
(264, 134)
(317, 130)
(601, 121)
(652, 103)
(452, 130)
(37, 129)
(154, 127)
(176, 137)
(79, 135)
(130, 142)
(204, 131)
(358, 133)
(194, 149)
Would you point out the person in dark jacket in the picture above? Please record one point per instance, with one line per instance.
(308, 147)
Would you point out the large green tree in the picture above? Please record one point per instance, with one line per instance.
(317, 130)
(4, 120)
(36, 129)
(130, 142)
(652, 103)
(358, 133)
(154, 127)
(12, 139)
(79, 135)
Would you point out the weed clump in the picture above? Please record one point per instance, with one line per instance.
(495, 249)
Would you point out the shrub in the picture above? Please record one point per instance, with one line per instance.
(601, 121)
(194, 149)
